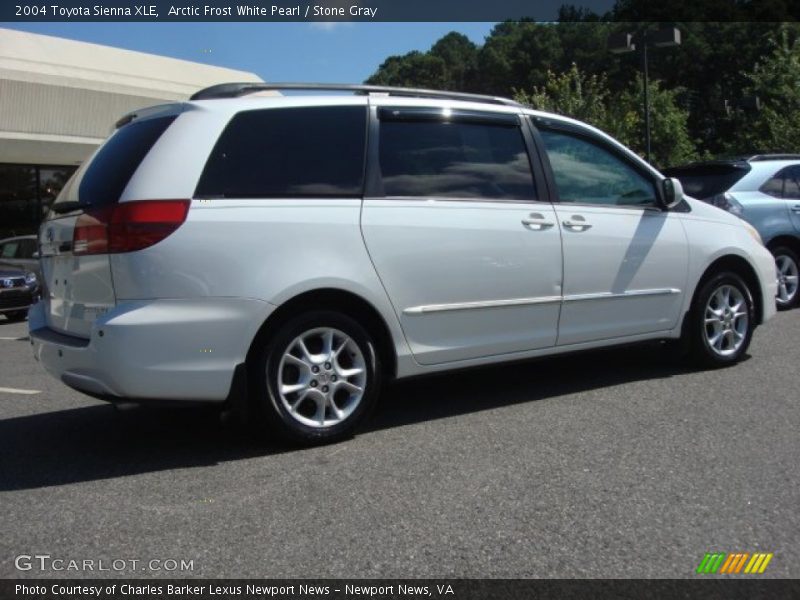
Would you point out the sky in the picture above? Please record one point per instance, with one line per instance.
(318, 52)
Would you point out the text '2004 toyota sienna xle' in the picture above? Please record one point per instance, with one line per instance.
(302, 248)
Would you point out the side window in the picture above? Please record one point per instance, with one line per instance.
(791, 191)
(454, 159)
(587, 173)
(10, 250)
(313, 152)
(26, 248)
(774, 185)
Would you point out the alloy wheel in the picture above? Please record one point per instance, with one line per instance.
(322, 376)
(787, 279)
(727, 320)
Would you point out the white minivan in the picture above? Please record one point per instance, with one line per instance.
(289, 253)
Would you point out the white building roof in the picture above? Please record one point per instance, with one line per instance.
(61, 97)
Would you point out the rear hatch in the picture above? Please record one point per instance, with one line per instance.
(707, 180)
(74, 238)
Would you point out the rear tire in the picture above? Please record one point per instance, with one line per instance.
(721, 321)
(317, 378)
(788, 266)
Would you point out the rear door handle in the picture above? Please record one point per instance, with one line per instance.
(536, 222)
(576, 223)
(796, 208)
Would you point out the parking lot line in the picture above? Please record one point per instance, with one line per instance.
(15, 339)
(5, 390)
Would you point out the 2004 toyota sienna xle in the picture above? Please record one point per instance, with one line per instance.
(303, 248)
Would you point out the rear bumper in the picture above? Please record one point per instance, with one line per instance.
(153, 350)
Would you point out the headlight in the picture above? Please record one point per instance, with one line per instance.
(753, 232)
(30, 279)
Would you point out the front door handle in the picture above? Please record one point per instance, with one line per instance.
(796, 208)
(576, 223)
(536, 222)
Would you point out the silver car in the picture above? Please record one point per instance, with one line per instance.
(764, 190)
(287, 254)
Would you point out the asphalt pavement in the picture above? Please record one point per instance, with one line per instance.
(618, 463)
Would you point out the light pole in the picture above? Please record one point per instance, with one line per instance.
(621, 43)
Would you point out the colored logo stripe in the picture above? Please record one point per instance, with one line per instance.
(733, 563)
(711, 562)
(758, 564)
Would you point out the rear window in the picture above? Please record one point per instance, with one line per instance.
(289, 152)
(705, 181)
(106, 176)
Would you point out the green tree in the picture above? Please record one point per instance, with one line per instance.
(670, 141)
(775, 81)
(415, 69)
(517, 54)
(588, 98)
(574, 94)
(460, 58)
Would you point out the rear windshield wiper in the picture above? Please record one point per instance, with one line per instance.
(68, 206)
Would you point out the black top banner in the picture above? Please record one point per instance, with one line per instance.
(393, 10)
(289, 10)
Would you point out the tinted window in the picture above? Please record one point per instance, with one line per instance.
(27, 247)
(588, 173)
(454, 160)
(791, 190)
(9, 250)
(106, 176)
(704, 181)
(774, 186)
(18, 207)
(309, 151)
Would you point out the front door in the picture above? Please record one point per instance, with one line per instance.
(625, 260)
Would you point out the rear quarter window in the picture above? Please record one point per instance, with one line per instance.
(288, 152)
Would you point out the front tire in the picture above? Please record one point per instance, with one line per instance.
(721, 321)
(787, 265)
(318, 378)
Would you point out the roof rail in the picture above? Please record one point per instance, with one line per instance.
(234, 90)
(758, 157)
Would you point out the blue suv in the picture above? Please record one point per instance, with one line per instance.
(764, 190)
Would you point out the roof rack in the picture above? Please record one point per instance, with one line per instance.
(234, 90)
(758, 157)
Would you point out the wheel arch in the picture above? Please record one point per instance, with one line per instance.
(740, 266)
(336, 299)
(790, 241)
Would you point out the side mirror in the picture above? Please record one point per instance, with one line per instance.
(35, 254)
(671, 193)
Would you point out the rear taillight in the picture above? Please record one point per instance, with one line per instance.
(726, 202)
(127, 226)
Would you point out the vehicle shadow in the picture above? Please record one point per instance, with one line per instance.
(101, 442)
(484, 388)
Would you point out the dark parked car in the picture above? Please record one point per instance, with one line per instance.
(20, 252)
(764, 190)
(18, 290)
